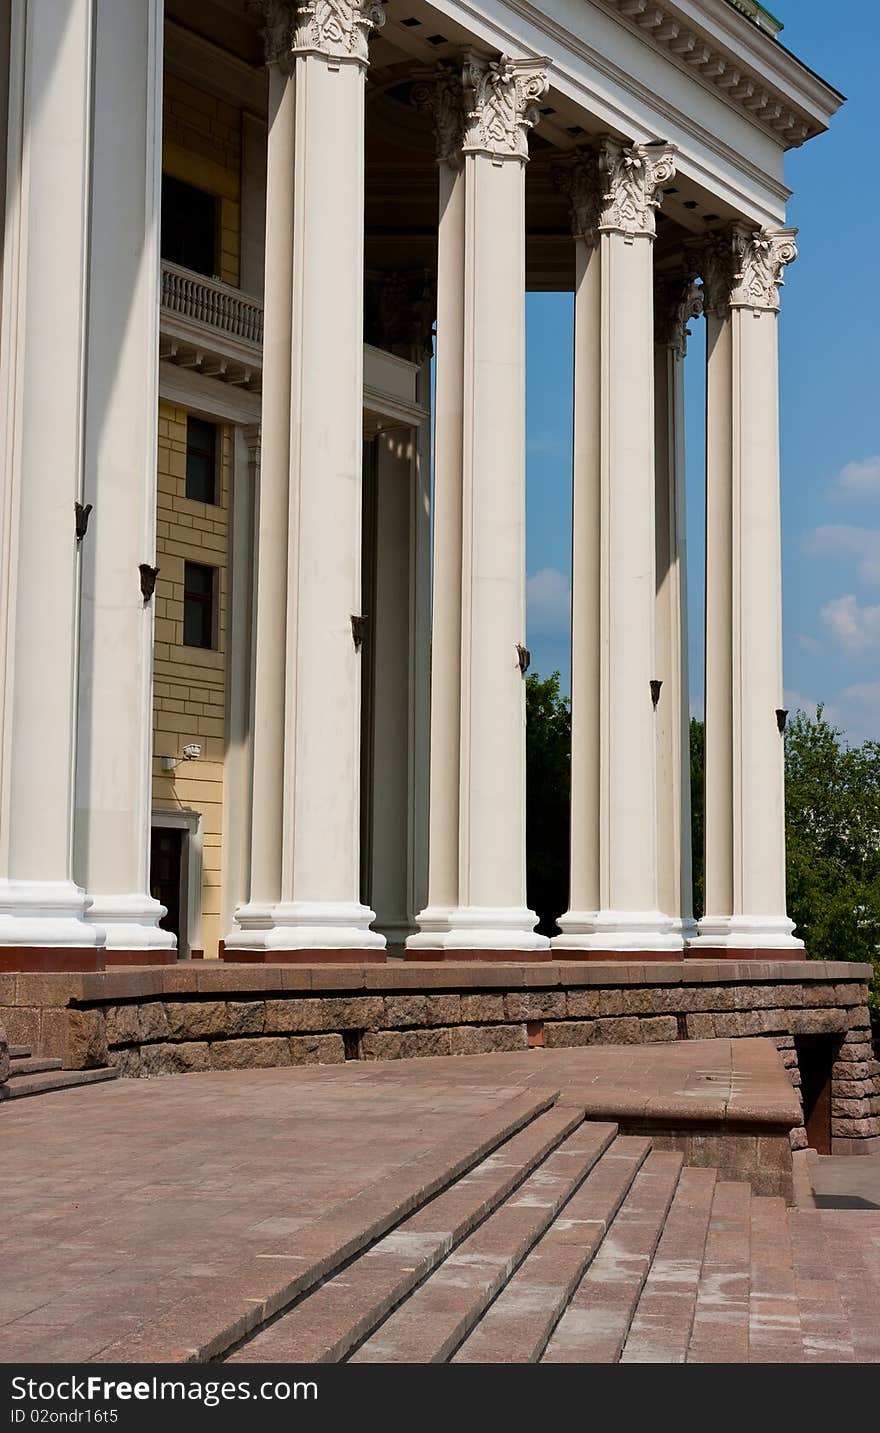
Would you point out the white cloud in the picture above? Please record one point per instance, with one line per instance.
(857, 711)
(796, 703)
(860, 479)
(856, 628)
(843, 540)
(548, 603)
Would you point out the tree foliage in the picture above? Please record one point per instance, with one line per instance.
(832, 806)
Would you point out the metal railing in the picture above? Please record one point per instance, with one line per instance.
(208, 301)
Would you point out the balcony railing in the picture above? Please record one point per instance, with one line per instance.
(218, 306)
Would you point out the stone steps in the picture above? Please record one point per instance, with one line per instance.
(431, 1324)
(517, 1326)
(594, 1327)
(326, 1326)
(38, 1075)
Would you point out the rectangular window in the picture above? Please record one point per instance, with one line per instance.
(199, 603)
(189, 226)
(201, 460)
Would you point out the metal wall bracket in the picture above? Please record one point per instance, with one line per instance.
(148, 580)
(358, 631)
(524, 657)
(656, 684)
(81, 517)
(781, 719)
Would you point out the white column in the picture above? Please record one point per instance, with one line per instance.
(442, 97)
(113, 776)
(492, 914)
(628, 918)
(238, 763)
(319, 906)
(581, 181)
(264, 889)
(42, 392)
(745, 798)
(677, 300)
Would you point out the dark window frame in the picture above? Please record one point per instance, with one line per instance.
(200, 602)
(212, 454)
(190, 226)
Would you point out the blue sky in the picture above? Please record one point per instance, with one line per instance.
(830, 416)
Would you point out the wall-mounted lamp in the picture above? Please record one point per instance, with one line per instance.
(81, 518)
(191, 752)
(781, 719)
(656, 684)
(148, 580)
(523, 657)
(358, 631)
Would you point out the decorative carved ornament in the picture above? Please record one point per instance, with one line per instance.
(581, 182)
(677, 299)
(441, 96)
(759, 259)
(339, 30)
(501, 99)
(632, 178)
(670, 32)
(742, 268)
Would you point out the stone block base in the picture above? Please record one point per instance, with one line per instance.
(356, 955)
(480, 957)
(729, 952)
(63, 958)
(126, 958)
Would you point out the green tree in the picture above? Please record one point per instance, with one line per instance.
(548, 797)
(832, 826)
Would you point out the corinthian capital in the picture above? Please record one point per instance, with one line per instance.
(718, 267)
(339, 30)
(441, 96)
(501, 99)
(759, 258)
(632, 177)
(677, 299)
(582, 183)
(277, 21)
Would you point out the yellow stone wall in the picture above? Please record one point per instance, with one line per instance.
(201, 145)
(189, 692)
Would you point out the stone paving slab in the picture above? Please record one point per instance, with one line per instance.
(164, 1219)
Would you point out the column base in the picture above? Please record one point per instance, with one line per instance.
(618, 935)
(131, 928)
(303, 932)
(745, 938)
(478, 933)
(43, 927)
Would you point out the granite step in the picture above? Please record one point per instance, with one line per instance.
(518, 1325)
(41, 1084)
(825, 1308)
(594, 1327)
(722, 1315)
(853, 1239)
(775, 1332)
(19, 1052)
(661, 1328)
(430, 1325)
(31, 1065)
(326, 1325)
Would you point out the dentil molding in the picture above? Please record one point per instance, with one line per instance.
(501, 101)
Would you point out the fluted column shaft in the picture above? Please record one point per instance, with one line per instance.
(113, 779)
(745, 801)
(677, 299)
(614, 840)
(42, 399)
(481, 905)
(311, 900)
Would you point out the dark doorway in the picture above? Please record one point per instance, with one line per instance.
(166, 873)
(816, 1054)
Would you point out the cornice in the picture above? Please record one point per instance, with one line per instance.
(742, 74)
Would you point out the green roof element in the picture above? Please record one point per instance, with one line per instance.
(758, 15)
